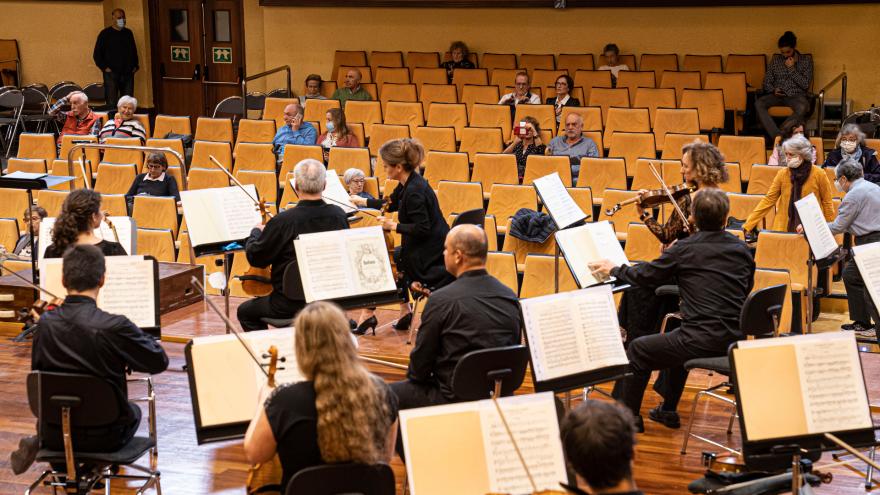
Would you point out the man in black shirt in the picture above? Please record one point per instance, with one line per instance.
(715, 272)
(476, 311)
(116, 55)
(78, 337)
(272, 244)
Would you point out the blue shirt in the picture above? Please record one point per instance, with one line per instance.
(859, 211)
(584, 148)
(305, 135)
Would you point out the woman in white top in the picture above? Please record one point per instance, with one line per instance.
(612, 62)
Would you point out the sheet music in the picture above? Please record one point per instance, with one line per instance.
(559, 203)
(867, 258)
(287, 370)
(587, 243)
(336, 192)
(222, 214)
(573, 332)
(125, 226)
(818, 234)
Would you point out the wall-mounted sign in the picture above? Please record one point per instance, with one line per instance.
(179, 53)
(222, 55)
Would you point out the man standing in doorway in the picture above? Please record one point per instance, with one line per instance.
(116, 55)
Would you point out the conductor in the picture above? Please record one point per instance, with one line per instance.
(272, 243)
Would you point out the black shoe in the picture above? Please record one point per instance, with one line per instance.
(24, 457)
(353, 324)
(639, 425)
(668, 419)
(368, 324)
(403, 323)
(856, 326)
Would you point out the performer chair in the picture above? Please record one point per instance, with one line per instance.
(333, 479)
(488, 373)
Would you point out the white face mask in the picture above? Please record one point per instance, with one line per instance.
(120, 23)
(794, 162)
(848, 146)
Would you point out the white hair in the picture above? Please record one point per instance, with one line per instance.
(82, 95)
(800, 146)
(310, 176)
(127, 100)
(850, 130)
(352, 174)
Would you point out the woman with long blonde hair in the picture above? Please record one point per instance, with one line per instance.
(339, 413)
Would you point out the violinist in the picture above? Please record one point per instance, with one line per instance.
(78, 337)
(272, 244)
(80, 215)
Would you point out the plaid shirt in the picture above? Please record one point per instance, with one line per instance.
(794, 80)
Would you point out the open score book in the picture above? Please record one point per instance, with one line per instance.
(587, 243)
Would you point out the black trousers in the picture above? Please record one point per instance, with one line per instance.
(861, 306)
(411, 395)
(274, 305)
(117, 85)
(104, 439)
(799, 105)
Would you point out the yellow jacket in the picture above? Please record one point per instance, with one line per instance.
(780, 192)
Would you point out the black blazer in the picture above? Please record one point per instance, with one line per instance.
(572, 102)
(870, 164)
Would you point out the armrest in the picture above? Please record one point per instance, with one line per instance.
(667, 290)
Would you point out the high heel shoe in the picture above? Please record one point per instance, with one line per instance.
(403, 323)
(368, 324)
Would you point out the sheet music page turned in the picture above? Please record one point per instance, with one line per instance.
(573, 332)
(222, 214)
(336, 192)
(469, 439)
(124, 228)
(558, 201)
(867, 257)
(587, 243)
(821, 240)
(344, 263)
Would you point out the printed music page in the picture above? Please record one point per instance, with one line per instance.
(469, 440)
(558, 201)
(573, 332)
(818, 234)
(588, 243)
(124, 228)
(867, 257)
(287, 370)
(222, 214)
(335, 193)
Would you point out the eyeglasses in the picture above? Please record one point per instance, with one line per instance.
(359, 181)
(154, 165)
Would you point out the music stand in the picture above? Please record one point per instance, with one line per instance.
(30, 183)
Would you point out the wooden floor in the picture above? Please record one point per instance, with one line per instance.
(220, 468)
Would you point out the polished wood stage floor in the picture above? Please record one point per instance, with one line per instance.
(220, 468)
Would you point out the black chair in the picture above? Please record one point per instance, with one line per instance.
(474, 217)
(231, 105)
(338, 479)
(96, 95)
(255, 101)
(292, 288)
(82, 401)
(279, 93)
(11, 107)
(759, 318)
(488, 373)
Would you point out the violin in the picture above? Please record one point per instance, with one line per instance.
(654, 198)
(112, 227)
(266, 476)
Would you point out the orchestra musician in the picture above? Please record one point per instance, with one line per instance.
(340, 413)
(35, 215)
(78, 337)
(714, 271)
(420, 223)
(80, 215)
(272, 244)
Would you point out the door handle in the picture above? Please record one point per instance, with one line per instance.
(197, 72)
(166, 78)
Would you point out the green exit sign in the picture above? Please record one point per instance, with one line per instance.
(180, 54)
(222, 55)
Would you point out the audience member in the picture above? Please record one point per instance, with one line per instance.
(313, 89)
(338, 133)
(797, 180)
(612, 62)
(79, 121)
(573, 144)
(598, 440)
(294, 131)
(155, 182)
(353, 89)
(340, 413)
(34, 216)
(521, 94)
(124, 124)
(459, 52)
(564, 84)
(355, 179)
(786, 84)
(80, 215)
(850, 143)
(790, 129)
(116, 55)
(526, 141)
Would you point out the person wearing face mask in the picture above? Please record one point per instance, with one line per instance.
(851, 144)
(790, 129)
(116, 55)
(797, 180)
(338, 133)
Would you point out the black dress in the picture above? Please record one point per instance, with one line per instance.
(109, 248)
(450, 67)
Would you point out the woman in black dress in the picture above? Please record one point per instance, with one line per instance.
(419, 222)
(80, 215)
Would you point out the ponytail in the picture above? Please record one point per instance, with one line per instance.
(76, 217)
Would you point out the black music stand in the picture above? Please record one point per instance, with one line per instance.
(30, 183)
(292, 288)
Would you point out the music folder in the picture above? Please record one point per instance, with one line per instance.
(819, 236)
(574, 339)
(587, 243)
(558, 202)
(817, 387)
(867, 258)
(219, 217)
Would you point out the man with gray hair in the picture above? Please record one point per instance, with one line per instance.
(294, 130)
(79, 120)
(859, 215)
(573, 144)
(271, 245)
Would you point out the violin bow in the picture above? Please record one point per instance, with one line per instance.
(237, 183)
(340, 203)
(28, 282)
(671, 198)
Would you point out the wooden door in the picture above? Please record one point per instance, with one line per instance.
(198, 54)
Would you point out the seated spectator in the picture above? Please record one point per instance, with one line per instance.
(573, 143)
(352, 90)
(526, 141)
(124, 124)
(22, 248)
(786, 84)
(294, 130)
(851, 144)
(338, 133)
(521, 94)
(155, 182)
(459, 53)
(612, 62)
(355, 179)
(598, 440)
(80, 120)
(790, 129)
(563, 98)
(313, 89)
(340, 413)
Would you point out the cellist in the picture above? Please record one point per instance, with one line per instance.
(272, 244)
